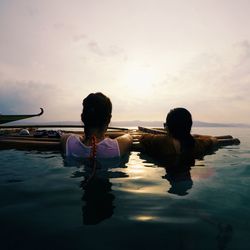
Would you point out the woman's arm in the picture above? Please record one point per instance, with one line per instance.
(227, 142)
(159, 146)
(125, 143)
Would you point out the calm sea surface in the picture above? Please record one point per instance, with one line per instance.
(131, 205)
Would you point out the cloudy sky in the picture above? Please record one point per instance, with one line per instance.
(148, 56)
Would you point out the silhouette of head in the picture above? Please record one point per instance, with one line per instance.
(96, 113)
(179, 123)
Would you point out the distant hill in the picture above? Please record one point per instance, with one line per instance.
(134, 123)
(160, 124)
(209, 124)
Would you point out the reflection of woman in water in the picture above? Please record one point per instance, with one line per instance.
(178, 173)
(98, 200)
(98, 196)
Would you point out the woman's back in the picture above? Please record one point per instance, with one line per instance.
(165, 146)
(107, 148)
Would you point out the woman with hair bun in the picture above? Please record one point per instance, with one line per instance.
(96, 116)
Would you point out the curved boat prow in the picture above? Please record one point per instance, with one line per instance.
(42, 111)
(12, 118)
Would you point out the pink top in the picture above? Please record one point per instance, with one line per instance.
(107, 148)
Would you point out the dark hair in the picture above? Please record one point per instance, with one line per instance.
(179, 123)
(96, 113)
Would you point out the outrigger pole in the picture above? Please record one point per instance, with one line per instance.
(11, 118)
(53, 126)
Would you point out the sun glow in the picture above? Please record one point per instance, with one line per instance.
(145, 218)
(138, 80)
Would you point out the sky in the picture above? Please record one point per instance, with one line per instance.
(148, 56)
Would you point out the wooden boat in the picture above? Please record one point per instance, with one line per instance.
(152, 130)
(11, 118)
(13, 139)
(10, 137)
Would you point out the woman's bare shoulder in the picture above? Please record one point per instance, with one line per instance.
(125, 142)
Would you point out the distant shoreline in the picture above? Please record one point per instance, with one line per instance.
(135, 123)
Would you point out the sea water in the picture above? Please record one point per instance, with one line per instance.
(133, 205)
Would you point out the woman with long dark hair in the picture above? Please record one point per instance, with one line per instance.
(96, 116)
(179, 141)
